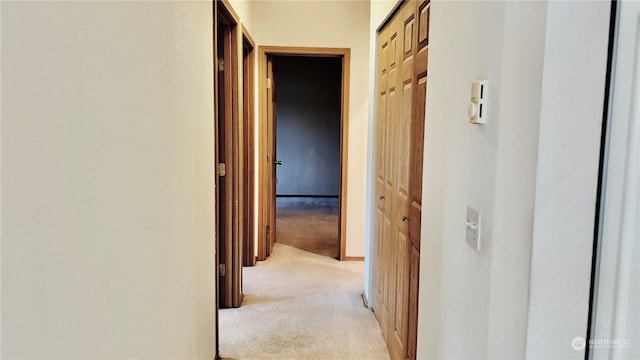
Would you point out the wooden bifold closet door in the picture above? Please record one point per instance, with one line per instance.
(402, 85)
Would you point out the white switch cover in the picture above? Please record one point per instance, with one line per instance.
(473, 228)
(478, 102)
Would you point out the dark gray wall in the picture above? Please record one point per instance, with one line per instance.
(308, 93)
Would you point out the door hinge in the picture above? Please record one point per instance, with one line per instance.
(222, 270)
(268, 83)
(220, 64)
(222, 169)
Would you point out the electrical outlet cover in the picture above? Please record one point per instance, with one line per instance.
(473, 228)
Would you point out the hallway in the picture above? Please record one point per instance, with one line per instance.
(134, 158)
(299, 305)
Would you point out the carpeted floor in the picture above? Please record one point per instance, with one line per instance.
(299, 305)
(309, 224)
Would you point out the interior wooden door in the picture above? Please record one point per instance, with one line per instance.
(224, 231)
(382, 215)
(249, 256)
(389, 107)
(238, 169)
(271, 157)
(416, 152)
(229, 169)
(404, 29)
(402, 51)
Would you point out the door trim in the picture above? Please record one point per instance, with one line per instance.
(216, 285)
(228, 11)
(248, 103)
(345, 54)
(228, 218)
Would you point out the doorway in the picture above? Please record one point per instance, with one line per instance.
(307, 111)
(296, 196)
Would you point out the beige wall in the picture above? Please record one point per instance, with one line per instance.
(107, 173)
(244, 10)
(107, 165)
(531, 171)
(330, 24)
(571, 108)
(465, 295)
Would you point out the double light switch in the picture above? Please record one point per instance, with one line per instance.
(478, 102)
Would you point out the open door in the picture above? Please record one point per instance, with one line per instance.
(229, 160)
(271, 156)
(248, 56)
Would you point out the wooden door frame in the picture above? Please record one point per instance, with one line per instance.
(248, 103)
(271, 145)
(263, 52)
(214, 31)
(229, 292)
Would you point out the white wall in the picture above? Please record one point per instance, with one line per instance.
(473, 305)
(330, 24)
(617, 286)
(570, 129)
(107, 173)
(476, 305)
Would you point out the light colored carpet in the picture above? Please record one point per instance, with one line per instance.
(299, 305)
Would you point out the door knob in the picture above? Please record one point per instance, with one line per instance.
(381, 197)
(404, 218)
(278, 162)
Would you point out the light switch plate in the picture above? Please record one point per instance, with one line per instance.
(478, 102)
(473, 227)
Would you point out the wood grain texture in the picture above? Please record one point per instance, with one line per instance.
(232, 16)
(271, 156)
(249, 256)
(262, 156)
(399, 152)
(229, 151)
